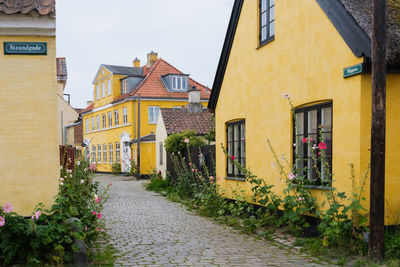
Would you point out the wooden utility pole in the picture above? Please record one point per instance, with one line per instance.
(378, 130)
(138, 141)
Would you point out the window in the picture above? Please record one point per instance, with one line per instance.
(104, 121)
(103, 89)
(161, 153)
(125, 115)
(124, 86)
(116, 117)
(236, 145)
(110, 153)
(153, 114)
(99, 154)
(309, 121)
(267, 20)
(117, 149)
(179, 83)
(104, 153)
(93, 125)
(87, 125)
(109, 86)
(109, 119)
(98, 122)
(93, 154)
(97, 91)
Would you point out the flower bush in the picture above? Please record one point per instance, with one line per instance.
(48, 236)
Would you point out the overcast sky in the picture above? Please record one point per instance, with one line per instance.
(189, 34)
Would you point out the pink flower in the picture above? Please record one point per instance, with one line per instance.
(7, 208)
(32, 218)
(322, 145)
(212, 181)
(37, 215)
(79, 158)
(99, 215)
(85, 227)
(110, 183)
(190, 164)
(291, 176)
(192, 170)
(310, 139)
(285, 95)
(232, 157)
(319, 153)
(301, 198)
(92, 167)
(2, 221)
(97, 229)
(94, 213)
(187, 140)
(304, 140)
(211, 177)
(98, 199)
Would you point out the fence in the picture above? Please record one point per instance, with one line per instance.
(67, 156)
(200, 157)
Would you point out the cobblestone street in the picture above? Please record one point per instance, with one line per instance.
(148, 230)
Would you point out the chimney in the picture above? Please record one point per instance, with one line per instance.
(151, 58)
(194, 105)
(88, 103)
(136, 63)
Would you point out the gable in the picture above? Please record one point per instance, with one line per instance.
(101, 74)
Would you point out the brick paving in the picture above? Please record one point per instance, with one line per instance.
(148, 230)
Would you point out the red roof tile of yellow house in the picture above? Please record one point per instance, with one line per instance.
(42, 7)
(152, 85)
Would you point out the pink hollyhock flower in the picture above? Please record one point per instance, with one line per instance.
(301, 198)
(291, 176)
(212, 182)
(285, 95)
(233, 157)
(79, 158)
(211, 177)
(85, 227)
(97, 229)
(2, 221)
(187, 140)
(110, 183)
(32, 218)
(190, 164)
(322, 145)
(304, 140)
(7, 208)
(192, 170)
(98, 199)
(319, 153)
(310, 139)
(99, 215)
(92, 167)
(94, 213)
(37, 215)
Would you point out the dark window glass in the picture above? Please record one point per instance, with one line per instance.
(236, 146)
(267, 20)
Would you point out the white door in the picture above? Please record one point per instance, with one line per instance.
(125, 152)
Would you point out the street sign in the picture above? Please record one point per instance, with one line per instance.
(353, 70)
(25, 48)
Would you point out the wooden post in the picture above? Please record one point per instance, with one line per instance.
(378, 130)
(138, 140)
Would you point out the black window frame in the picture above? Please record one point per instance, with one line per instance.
(238, 158)
(306, 133)
(268, 22)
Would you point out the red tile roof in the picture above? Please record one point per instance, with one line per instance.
(89, 108)
(43, 7)
(177, 120)
(153, 87)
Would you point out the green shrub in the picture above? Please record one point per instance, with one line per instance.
(176, 142)
(157, 184)
(116, 168)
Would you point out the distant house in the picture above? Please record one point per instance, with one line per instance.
(180, 119)
(66, 113)
(29, 157)
(110, 124)
(319, 52)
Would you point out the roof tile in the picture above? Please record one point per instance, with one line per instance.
(43, 7)
(177, 120)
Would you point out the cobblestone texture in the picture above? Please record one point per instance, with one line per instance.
(148, 230)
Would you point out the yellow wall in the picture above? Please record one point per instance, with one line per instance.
(29, 160)
(306, 60)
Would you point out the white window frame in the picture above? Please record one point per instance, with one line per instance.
(99, 154)
(110, 153)
(154, 111)
(98, 91)
(109, 86)
(109, 115)
(116, 117)
(93, 154)
(104, 120)
(98, 122)
(105, 153)
(124, 86)
(117, 152)
(87, 125)
(182, 81)
(103, 89)
(125, 115)
(93, 124)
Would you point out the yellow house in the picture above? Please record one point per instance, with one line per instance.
(319, 52)
(110, 124)
(29, 159)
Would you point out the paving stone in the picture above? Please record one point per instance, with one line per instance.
(148, 230)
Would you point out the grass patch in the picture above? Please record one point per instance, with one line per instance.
(102, 255)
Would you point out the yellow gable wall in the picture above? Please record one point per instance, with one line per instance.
(29, 160)
(115, 87)
(306, 60)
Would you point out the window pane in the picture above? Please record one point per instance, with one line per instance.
(230, 167)
(272, 13)
(300, 146)
(157, 110)
(230, 137)
(178, 81)
(263, 33)
(271, 2)
(236, 132)
(263, 5)
(242, 149)
(300, 123)
(242, 131)
(272, 28)
(312, 121)
(173, 82)
(310, 151)
(328, 141)
(230, 148)
(263, 19)
(151, 114)
(311, 173)
(326, 119)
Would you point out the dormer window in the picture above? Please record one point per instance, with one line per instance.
(179, 83)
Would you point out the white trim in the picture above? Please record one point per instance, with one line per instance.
(27, 25)
(109, 128)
